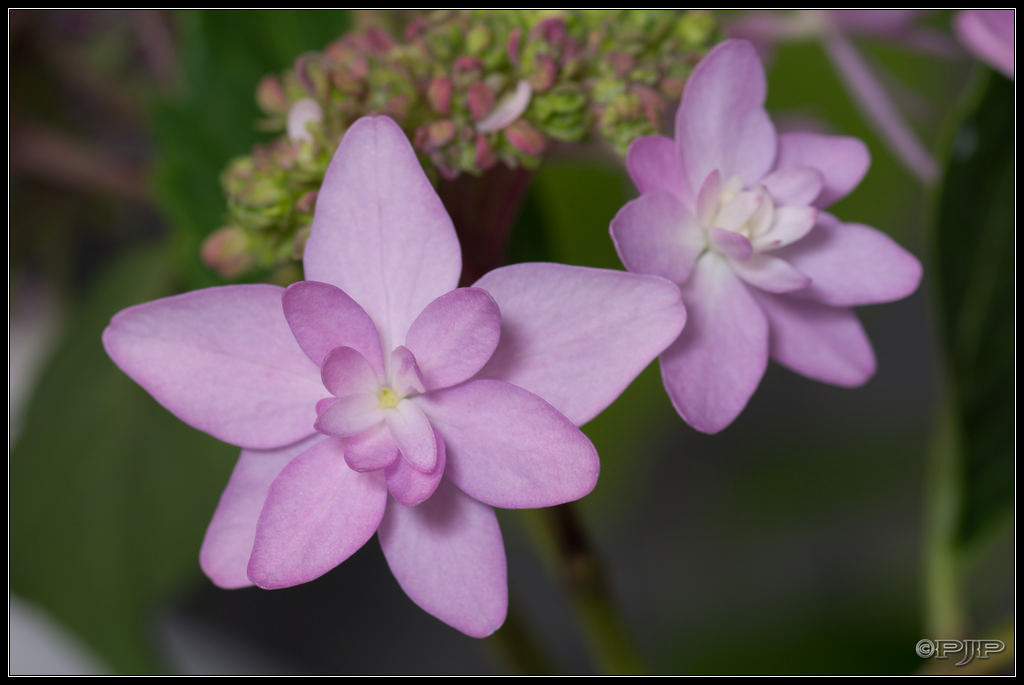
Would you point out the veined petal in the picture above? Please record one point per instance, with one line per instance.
(351, 415)
(346, 372)
(454, 336)
(224, 555)
(318, 513)
(730, 243)
(413, 435)
(769, 273)
(323, 317)
(711, 371)
(842, 161)
(653, 164)
(409, 486)
(790, 224)
(380, 232)
(821, 342)
(655, 234)
(222, 360)
(448, 556)
(852, 264)
(721, 122)
(559, 323)
(508, 448)
(794, 185)
(372, 449)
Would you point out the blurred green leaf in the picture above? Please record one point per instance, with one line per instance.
(974, 255)
(109, 493)
(213, 116)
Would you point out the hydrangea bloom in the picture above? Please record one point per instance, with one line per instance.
(732, 213)
(988, 34)
(378, 397)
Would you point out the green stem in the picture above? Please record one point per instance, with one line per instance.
(582, 575)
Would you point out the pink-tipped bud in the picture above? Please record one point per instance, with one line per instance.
(480, 99)
(525, 138)
(439, 95)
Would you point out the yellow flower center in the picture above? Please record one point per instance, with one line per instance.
(388, 398)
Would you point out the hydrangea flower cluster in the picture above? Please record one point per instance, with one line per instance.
(473, 90)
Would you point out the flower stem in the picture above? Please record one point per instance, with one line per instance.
(582, 574)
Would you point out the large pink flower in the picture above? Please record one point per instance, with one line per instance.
(732, 213)
(378, 397)
(989, 35)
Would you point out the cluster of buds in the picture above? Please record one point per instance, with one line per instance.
(472, 89)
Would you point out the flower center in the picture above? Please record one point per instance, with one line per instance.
(747, 212)
(388, 398)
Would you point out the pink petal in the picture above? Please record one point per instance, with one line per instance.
(824, 343)
(790, 224)
(318, 513)
(841, 161)
(653, 164)
(322, 317)
(410, 486)
(448, 556)
(712, 370)
(559, 323)
(346, 372)
(413, 434)
(852, 264)
(222, 360)
(721, 122)
(989, 34)
(793, 185)
(730, 243)
(406, 377)
(372, 449)
(380, 233)
(771, 274)
(351, 415)
(454, 336)
(508, 448)
(655, 234)
(226, 549)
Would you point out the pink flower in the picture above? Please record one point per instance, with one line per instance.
(378, 397)
(732, 212)
(988, 34)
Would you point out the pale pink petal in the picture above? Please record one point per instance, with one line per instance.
(346, 372)
(413, 435)
(351, 415)
(380, 232)
(322, 317)
(318, 513)
(712, 370)
(793, 185)
(821, 342)
(508, 448)
(721, 122)
(448, 556)
(841, 161)
(989, 34)
(655, 234)
(790, 224)
(771, 274)
(410, 486)
(222, 360)
(739, 209)
(708, 198)
(224, 555)
(852, 264)
(653, 164)
(730, 243)
(561, 323)
(372, 449)
(454, 336)
(406, 377)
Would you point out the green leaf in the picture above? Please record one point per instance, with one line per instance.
(109, 493)
(974, 259)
